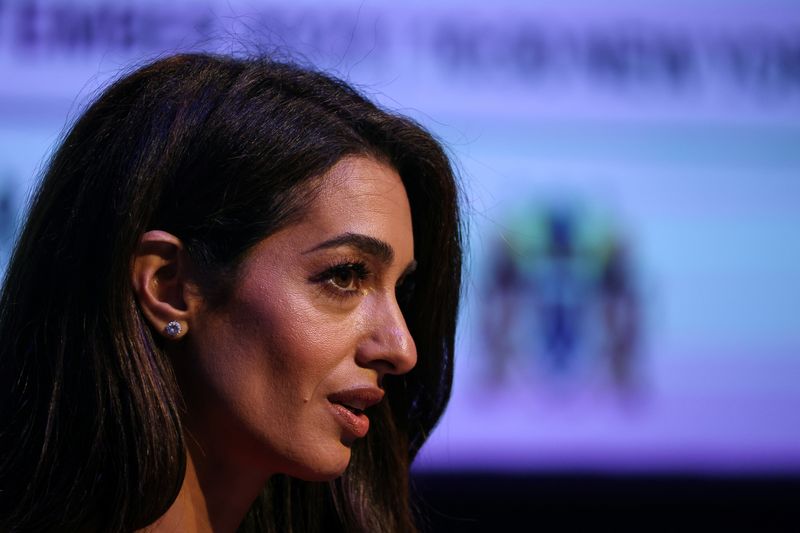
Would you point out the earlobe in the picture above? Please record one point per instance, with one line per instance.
(159, 278)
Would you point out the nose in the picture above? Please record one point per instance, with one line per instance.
(388, 346)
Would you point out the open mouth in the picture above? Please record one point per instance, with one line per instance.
(354, 410)
(352, 418)
(349, 406)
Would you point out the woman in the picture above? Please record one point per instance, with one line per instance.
(226, 267)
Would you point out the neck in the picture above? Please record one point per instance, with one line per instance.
(212, 499)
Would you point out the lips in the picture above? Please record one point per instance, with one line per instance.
(349, 405)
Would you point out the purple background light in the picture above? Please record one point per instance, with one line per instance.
(673, 127)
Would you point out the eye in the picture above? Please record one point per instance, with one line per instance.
(345, 279)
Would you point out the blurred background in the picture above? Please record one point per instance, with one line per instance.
(630, 338)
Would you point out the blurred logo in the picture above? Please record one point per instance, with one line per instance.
(562, 296)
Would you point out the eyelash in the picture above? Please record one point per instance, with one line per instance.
(355, 272)
(404, 290)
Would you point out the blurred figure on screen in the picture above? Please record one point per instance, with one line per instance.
(561, 292)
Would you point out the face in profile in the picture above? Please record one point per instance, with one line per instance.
(279, 375)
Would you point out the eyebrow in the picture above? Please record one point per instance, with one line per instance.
(366, 244)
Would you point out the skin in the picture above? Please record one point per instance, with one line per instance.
(314, 312)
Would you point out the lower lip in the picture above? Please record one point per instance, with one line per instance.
(358, 425)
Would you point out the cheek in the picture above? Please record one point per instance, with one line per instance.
(311, 343)
(231, 352)
(287, 346)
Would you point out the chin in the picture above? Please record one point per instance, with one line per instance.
(324, 467)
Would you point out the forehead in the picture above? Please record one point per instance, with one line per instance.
(361, 195)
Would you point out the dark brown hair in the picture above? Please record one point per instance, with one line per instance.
(221, 152)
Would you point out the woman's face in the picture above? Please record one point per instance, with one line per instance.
(277, 376)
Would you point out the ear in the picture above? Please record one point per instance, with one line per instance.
(160, 281)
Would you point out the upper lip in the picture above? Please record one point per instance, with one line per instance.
(358, 397)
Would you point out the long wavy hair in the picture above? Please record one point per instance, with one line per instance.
(221, 152)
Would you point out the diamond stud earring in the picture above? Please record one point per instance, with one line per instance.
(173, 329)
